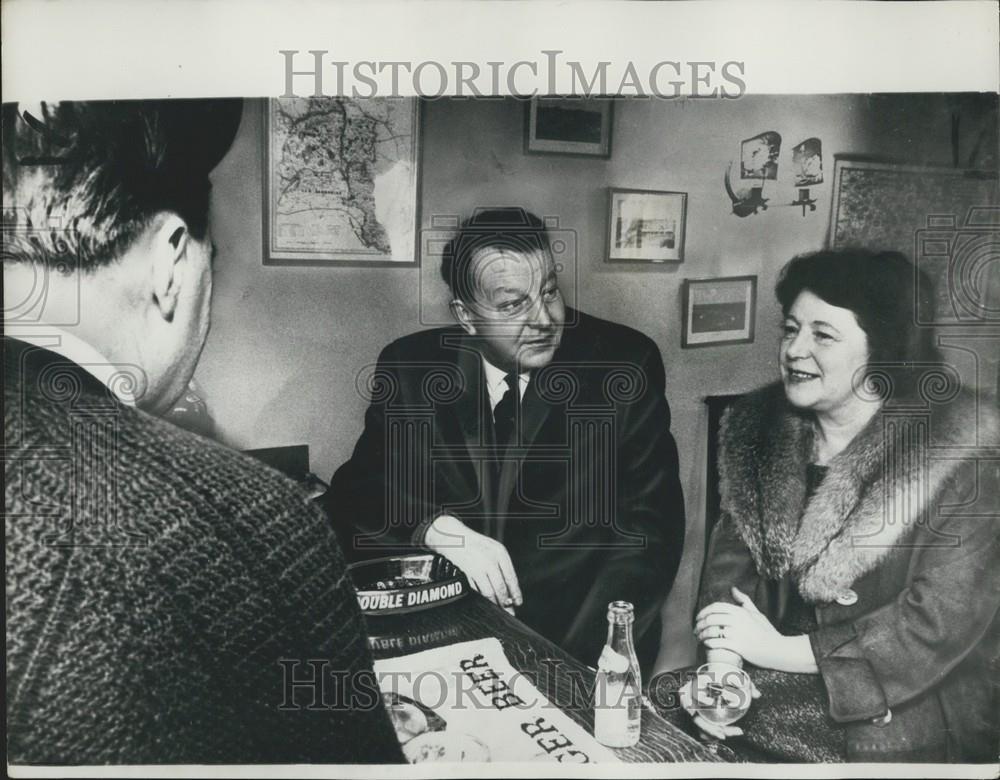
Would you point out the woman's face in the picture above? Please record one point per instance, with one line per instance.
(822, 350)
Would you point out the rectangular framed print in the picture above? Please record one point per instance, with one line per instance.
(577, 126)
(719, 311)
(646, 226)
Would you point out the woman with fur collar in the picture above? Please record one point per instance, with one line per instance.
(858, 552)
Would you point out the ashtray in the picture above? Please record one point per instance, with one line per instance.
(406, 583)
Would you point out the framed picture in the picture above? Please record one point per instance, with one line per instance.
(567, 125)
(341, 180)
(719, 311)
(646, 226)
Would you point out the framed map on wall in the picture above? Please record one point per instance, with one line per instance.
(341, 181)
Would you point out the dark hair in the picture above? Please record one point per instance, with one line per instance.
(82, 180)
(888, 295)
(509, 228)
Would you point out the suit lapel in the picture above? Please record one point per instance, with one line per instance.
(475, 422)
(470, 425)
(533, 412)
(531, 416)
(469, 406)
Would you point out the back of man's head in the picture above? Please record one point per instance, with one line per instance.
(82, 180)
(105, 211)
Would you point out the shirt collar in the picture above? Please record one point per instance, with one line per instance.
(495, 377)
(78, 351)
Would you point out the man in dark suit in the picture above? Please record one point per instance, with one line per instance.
(530, 444)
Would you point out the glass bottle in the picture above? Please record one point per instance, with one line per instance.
(618, 690)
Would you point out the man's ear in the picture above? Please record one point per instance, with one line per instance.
(169, 244)
(463, 316)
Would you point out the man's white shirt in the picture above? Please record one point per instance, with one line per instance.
(496, 384)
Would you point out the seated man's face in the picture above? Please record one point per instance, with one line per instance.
(517, 309)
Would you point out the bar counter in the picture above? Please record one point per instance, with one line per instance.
(564, 680)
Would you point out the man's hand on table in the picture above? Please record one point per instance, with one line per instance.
(485, 561)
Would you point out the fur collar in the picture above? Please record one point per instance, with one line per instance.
(875, 492)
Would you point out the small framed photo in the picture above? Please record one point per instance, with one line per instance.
(646, 226)
(719, 311)
(568, 125)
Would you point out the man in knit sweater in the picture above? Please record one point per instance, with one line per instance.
(168, 600)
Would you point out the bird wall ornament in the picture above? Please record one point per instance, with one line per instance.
(746, 202)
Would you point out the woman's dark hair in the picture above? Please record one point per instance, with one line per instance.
(892, 299)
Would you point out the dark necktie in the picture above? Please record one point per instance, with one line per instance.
(505, 410)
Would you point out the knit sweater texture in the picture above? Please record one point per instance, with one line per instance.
(164, 591)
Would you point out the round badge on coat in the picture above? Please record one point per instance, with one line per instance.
(848, 598)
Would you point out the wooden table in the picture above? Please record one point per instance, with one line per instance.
(565, 681)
